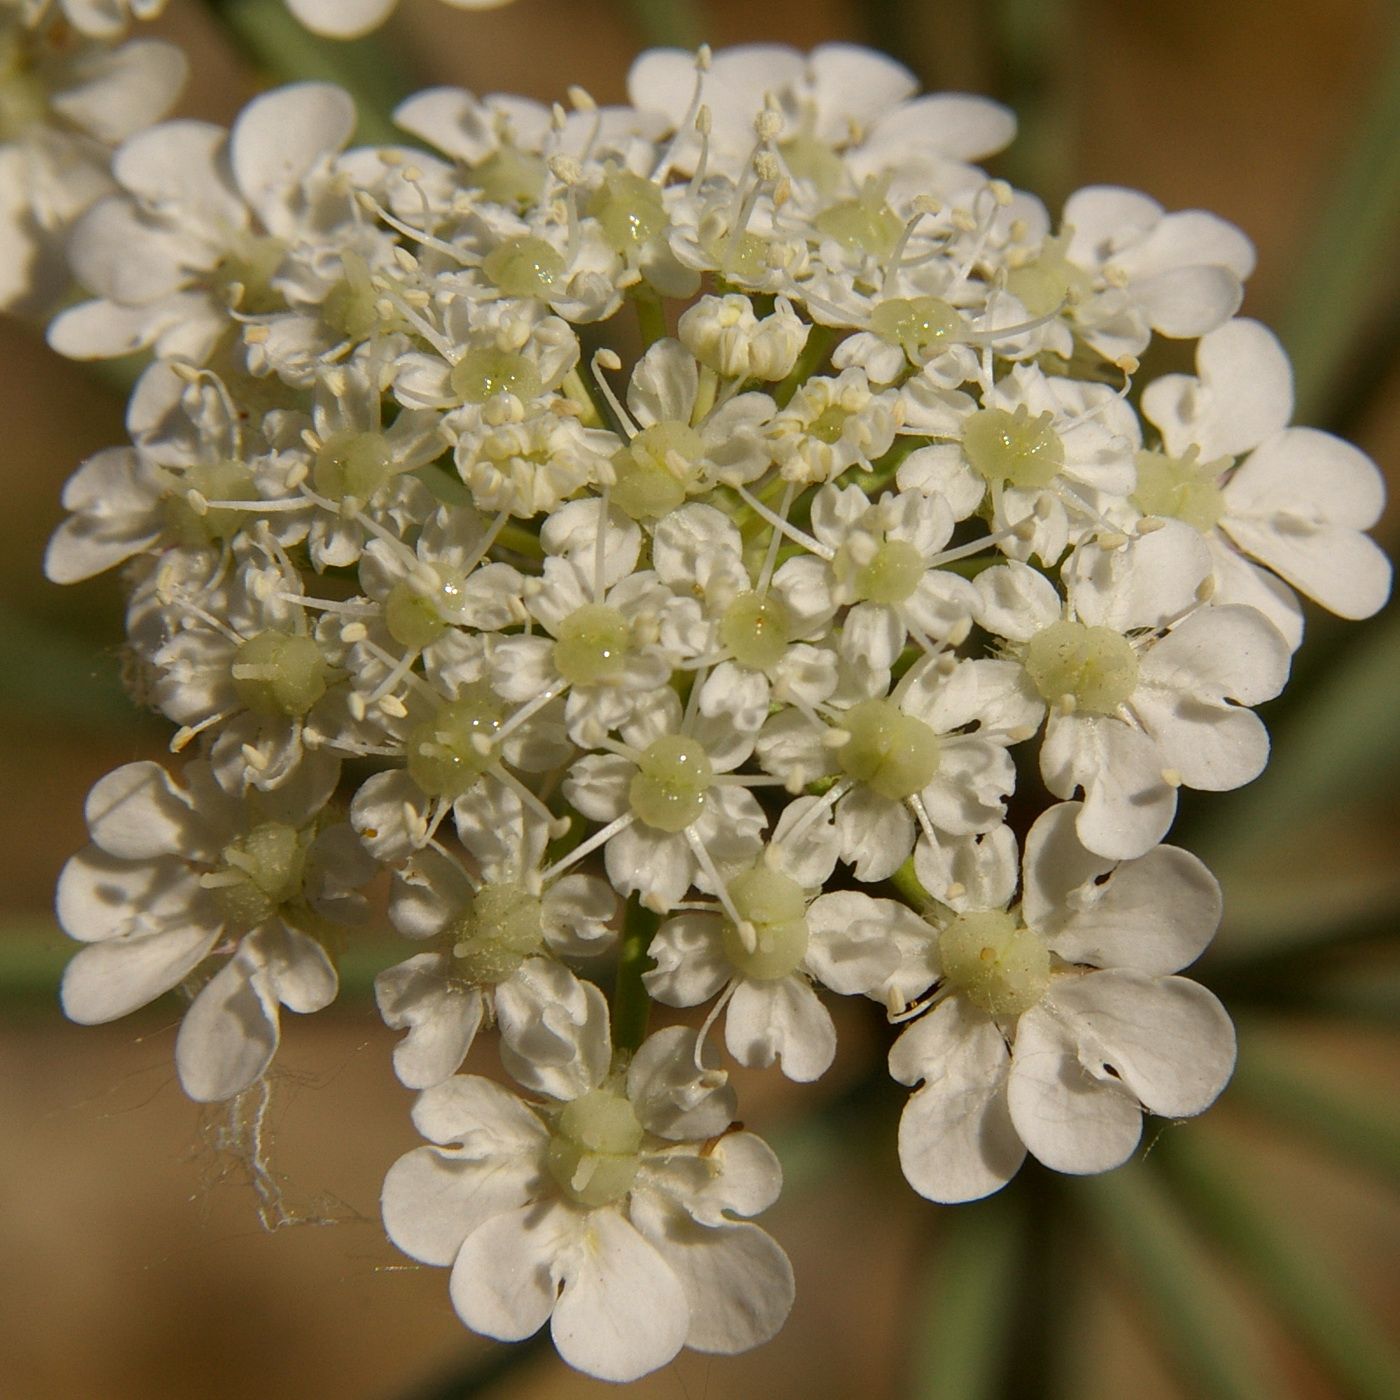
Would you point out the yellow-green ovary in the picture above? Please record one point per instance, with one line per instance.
(452, 750)
(669, 788)
(503, 927)
(1013, 448)
(892, 753)
(995, 961)
(1096, 666)
(592, 645)
(776, 909)
(593, 1154)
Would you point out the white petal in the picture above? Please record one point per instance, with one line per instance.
(672, 1098)
(341, 19)
(554, 1029)
(1128, 805)
(230, 1033)
(1189, 301)
(1071, 1120)
(691, 964)
(737, 1281)
(1155, 914)
(504, 1281)
(622, 1311)
(956, 1142)
(1167, 1039)
(109, 979)
(278, 140)
(877, 834)
(1146, 582)
(441, 1018)
(783, 1020)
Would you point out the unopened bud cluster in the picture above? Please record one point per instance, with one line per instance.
(735, 629)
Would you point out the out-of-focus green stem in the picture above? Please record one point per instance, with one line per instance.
(1285, 1269)
(668, 23)
(631, 1007)
(1350, 256)
(1203, 1331)
(1361, 1131)
(963, 1325)
(280, 47)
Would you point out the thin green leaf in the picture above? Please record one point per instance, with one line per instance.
(1351, 251)
(1204, 1335)
(1286, 1268)
(1359, 1129)
(286, 52)
(960, 1352)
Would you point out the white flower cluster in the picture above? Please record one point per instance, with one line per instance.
(674, 521)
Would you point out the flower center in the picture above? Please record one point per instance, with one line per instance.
(756, 627)
(592, 645)
(510, 176)
(628, 209)
(864, 225)
(656, 469)
(995, 961)
(502, 928)
(1095, 665)
(891, 571)
(351, 307)
(414, 618)
(482, 374)
(1181, 487)
(258, 873)
(809, 158)
(244, 277)
(668, 790)
(917, 325)
(352, 466)
(451, 751)
(593, 1154)
(889, 751)
(1049, 282)
(279, 673)
(215, 481)
(1013, 447)
(524, 267)
(776, 908)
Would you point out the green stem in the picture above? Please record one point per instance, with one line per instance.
(1286, 1269)
(631, 1008)
(651, 316)
(669, 23)
(961, 1351)
(910, 887)
(275, 43)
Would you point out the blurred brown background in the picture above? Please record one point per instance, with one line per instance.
(134, 1269)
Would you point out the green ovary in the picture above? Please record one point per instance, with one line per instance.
(776, 908)
(656, 469)
(628, 209)
(808, 158)
(510, 176)
(592, 645)
(892, 753)
(756, 627)
(890, 576)
(593, 1154)
(215, 481)
(1095, 665)
(917, 325)
(524, 267)
(279, 673)
(1049, 282)
(502, 928)
(251, 264)
(415, 619)
(1013, 448)
(668, 790)
(258, 873)
(864, 225)
(995, 961)
(1181, 487)
(352, 466)
(482, 374)
(449, 753)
